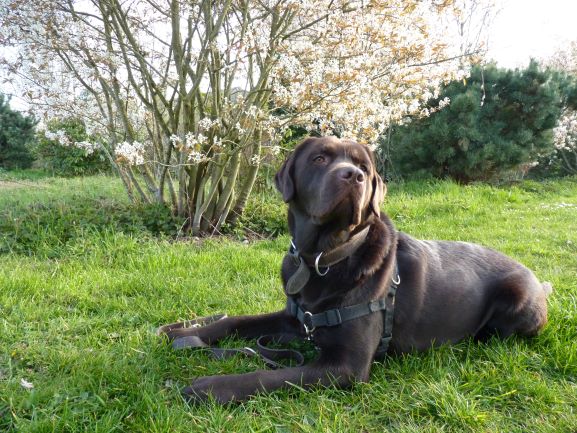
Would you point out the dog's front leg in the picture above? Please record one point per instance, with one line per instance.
(241, 326)
(341, 370)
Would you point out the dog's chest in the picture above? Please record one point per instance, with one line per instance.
(336, 289)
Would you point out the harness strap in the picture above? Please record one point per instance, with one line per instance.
(388, 315)
(335, 316)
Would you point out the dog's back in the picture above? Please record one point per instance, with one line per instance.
(450, 290)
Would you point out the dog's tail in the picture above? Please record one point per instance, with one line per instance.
(547, 287)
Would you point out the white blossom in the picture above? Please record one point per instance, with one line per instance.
(217, 143)
(63, 139)
(50, 135)
(88, 147)
(206, 123)
(174, 139)
(565, 133)
(444, 102)
(59, 136)
(131, 153)
(255, 160)
(194, 141)
(196, 157)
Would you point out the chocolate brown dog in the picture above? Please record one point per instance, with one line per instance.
(345, 258)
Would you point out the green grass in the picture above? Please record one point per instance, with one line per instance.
(80, 325)
(25, 187)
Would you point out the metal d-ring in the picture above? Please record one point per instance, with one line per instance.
(396, 279)
(317, 266)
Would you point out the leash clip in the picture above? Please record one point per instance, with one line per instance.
(294, 253)
(250, 350)
(308, 329)
(319, 273)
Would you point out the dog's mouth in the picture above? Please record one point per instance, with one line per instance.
(344, 208)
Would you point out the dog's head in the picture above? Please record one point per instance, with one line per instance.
(331, 181)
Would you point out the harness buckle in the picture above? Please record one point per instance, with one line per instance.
(377, 305)
(308, 324)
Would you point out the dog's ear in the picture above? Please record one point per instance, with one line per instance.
(379, 192)
(284, 179)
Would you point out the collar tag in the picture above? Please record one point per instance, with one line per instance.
(299, 279)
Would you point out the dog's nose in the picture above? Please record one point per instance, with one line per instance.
(352, 174)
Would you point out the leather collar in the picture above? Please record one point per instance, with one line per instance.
(321, 260)
(338, 253)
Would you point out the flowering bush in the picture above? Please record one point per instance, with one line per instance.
(194, 96)
(565, 139)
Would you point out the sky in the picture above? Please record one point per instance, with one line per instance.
(531, 28)
(522, 29)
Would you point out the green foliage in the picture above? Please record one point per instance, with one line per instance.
(498, 120)
(69, 160)
(16, 135)
(264, 216)
(81, 327)
(60, 214)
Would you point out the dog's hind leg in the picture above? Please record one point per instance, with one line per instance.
(520, 306)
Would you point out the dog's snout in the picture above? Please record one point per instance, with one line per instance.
(351, 174)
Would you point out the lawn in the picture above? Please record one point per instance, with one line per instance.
(77, 321)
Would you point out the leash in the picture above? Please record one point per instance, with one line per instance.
(310, 321)
(264, 349)
(273, 356)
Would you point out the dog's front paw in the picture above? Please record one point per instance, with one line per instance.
(173, 333)
(206, 388)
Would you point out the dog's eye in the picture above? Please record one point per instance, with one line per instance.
(319, 159)
(364, 168)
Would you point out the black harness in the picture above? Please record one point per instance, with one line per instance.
(337, 316)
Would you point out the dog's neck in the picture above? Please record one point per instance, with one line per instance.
(379, 244)
(312, 238)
